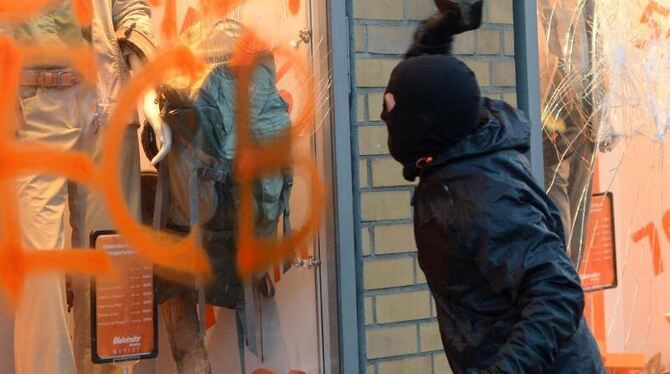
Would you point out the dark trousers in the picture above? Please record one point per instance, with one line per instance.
(568, 181)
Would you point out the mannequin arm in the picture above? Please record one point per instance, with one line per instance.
(148, 106)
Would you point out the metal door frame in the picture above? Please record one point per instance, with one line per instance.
(339, 289)
(526, 52)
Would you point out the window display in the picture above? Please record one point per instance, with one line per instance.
(229, 115)
(605, 118)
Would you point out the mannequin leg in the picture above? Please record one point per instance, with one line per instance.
(188, 349)
(41, 339)
(97, 218)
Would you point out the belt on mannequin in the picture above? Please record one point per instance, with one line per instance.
(49, 78)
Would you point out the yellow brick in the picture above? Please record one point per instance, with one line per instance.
(464, 44)
(372, 140)
(488, 42)
(420, 9)
(440, 364)
(413, 365)
(387, 172)
(375, 106)
(509, 42)
(388, 273)
(500, 11)
(504, 74)
(404, 306)
(378, 9)
(429, 334)
(374, 72)
(359, 34)
(481, 69)
(394, 341)
(360, 107)
(365, 239)
(370, 369)
(433, 308)
(363, 173)
(378, 206)
(389, 39)
(420, 276)
(510, 98)
(394, 239)
(369, 317)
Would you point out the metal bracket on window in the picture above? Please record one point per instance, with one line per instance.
(304, 37)
(308, 263)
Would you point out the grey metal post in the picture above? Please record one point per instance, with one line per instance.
(528, 78)
(344, 202)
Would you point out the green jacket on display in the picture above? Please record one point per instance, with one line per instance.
(204, 147)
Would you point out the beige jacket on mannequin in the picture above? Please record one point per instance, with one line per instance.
(122, 17)
(61, 118)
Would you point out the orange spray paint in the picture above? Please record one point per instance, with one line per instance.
(159, 248)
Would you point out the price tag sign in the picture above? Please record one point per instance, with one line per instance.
(598, 269)
(123, 309)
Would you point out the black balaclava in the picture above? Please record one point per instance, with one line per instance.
(437, 103)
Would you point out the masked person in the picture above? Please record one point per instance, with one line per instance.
(489, 240)
(54, 111)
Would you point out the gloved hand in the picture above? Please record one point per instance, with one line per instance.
(435, 35)
(458, 16)
(149, 107)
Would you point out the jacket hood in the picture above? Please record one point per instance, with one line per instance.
(506, 129)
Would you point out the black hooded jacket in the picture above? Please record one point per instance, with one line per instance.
(490, 241)
(492, 248)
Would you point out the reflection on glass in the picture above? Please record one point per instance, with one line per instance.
(566, 32)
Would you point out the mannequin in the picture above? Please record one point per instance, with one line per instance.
(148, 106)
(178, 303)
(129, 23)
(217, 207)
(54, 112)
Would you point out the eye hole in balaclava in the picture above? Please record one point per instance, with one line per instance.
(437, 103)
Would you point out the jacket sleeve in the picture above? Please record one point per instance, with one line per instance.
(132, 22)
(524, 260)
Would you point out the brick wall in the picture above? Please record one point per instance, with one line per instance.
(401, 334)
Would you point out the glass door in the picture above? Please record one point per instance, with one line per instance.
(289, 324)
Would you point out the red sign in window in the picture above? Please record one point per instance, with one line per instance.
(598, 269)
(123, 309)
